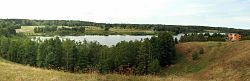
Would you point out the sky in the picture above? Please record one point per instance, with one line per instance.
(222, 13)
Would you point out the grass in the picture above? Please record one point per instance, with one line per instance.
(131, 30)
(92, 30)
(214, 31)
(16, 72)
(28, 30)
(228, 61)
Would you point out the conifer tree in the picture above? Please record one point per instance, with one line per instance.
(144, 57)
(166, 49)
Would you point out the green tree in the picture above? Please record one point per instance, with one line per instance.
(83, 60)
(30, 52)
(41, 55)
(144, 57)
(70, 55)
(166, 49)
(154, 66)
(54, 53)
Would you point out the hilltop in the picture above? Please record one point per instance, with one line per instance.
(227, 61)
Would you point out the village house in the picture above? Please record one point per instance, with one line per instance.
(233, 37)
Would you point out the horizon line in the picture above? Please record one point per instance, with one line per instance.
(119, 23)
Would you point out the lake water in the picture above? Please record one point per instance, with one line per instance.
(105, 40)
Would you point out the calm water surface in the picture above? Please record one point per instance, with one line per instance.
(105, 40)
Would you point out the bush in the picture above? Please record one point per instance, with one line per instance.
(245, 38)
(154, 66)
(201, 51)
(195, 56)
(140, 69)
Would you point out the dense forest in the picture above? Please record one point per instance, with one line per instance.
(134, 57)
(7, 28)
(176, 29)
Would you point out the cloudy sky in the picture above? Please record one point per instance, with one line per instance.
(225, 13)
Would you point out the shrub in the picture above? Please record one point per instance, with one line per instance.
(201, 51)
(154, 66)
(195, 56)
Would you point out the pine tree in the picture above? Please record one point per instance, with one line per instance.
(82, 60)
(166, 49)
(70, 55)
(105, 62)
(31, 51)
(144, 57)
(41, 55)
(12, 51)
(54, 54)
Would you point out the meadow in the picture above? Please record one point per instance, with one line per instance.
(92, 30)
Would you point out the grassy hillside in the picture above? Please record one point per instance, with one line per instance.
(15, 72)
(221, 61)
(227, 61)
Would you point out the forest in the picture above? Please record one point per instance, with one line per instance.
(134, 57)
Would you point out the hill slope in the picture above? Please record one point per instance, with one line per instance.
(15, 72)
(226, 61)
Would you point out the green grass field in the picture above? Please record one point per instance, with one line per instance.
(92, 30)
(26, 29)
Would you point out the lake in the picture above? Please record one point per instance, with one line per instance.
(105, 40)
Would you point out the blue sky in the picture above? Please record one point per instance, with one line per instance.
(224, 13)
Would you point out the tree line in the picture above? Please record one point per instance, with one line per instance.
(156, 27)
(245, 38)
(60, 31)
(202, 37)
(146, 56)
(7, 28)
